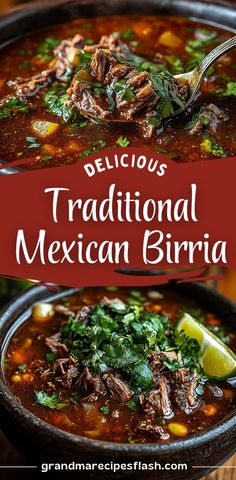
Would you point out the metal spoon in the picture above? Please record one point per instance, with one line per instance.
(192, 79)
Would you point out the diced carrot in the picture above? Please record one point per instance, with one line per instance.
(72, 146)
(156, 308)
(48, 148)
(169, 39)
(27, 377)
(212, 320)
(18, 357)
(228, 393)
(142, 29)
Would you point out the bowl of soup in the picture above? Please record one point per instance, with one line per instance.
(108, 375)
(93, 75)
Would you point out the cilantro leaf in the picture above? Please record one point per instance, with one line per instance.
(12, 106)
(50, 400)
(122, 142)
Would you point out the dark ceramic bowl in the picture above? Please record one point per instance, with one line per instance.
(37, 15)
(40, 442)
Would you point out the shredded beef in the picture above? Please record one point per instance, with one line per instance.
(64, 54)
(184, 384)
(91, 384)
(156, 362)
(139, 102)
(71, 375)
(209, 119)
(107, 302)
(118, 388)
(55, 344)
(147, 426)
(158, 399)
(62, 310)
(84, 314)
(111, 42)
(61, 365)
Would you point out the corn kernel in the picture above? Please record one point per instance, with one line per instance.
(27, 343)
(16, 378)
(178, 429)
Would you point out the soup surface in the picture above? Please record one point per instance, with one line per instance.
(60, 87)
(108, 363)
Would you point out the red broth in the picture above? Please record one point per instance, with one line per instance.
(177, 43)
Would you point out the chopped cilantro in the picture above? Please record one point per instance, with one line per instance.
(119, 336)
(50, 400)
(175, 63)
(85, 57)
(24, 65)
(32, 142)
(86, 26)
(105, 409)
(163, 85)
(111, 289)
(133, 403)
(55, 100)
(47, 158)
(206, 37)
(198, 117)
(122, 142)
(45, 49)
(89, 41)
(98, 144)
(50, 357)
(230, 89)
(12, 106)
(21, 367)
(128, 34)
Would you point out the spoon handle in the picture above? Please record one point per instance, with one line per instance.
(215, 54)
(196, 76)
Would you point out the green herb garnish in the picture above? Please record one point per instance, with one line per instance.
(12, 106)
(50, 357)
(105, 409)
(45, 49)
(32, 142)
(128, 34)
(209, 145)
(21, 367)
(122, 142)
(55, 100)
(50, 400)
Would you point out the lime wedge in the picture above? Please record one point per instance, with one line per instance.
(217, 360)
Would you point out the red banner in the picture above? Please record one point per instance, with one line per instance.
(117, 210)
